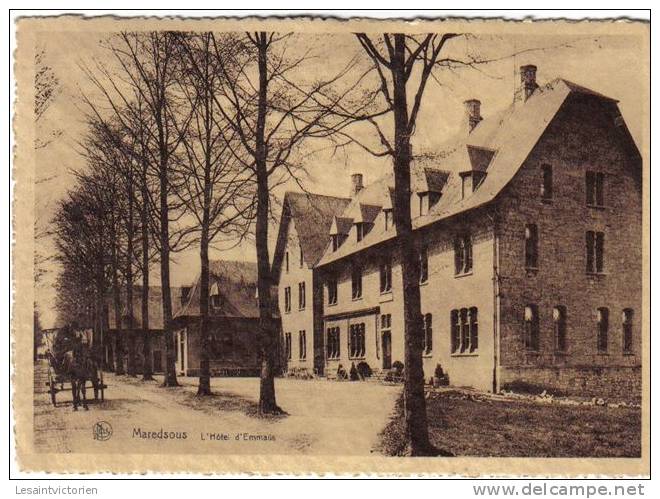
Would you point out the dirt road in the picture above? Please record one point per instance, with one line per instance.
(324, 417)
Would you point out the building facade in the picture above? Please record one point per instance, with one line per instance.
(529, 236)
(301, 241)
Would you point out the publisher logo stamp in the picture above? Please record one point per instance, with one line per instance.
(102, 431)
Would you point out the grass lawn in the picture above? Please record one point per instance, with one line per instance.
(521, 428)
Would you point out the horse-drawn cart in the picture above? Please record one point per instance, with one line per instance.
(62, 381)
(74, 366)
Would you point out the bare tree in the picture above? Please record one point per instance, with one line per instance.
(80, 227)
(403, 65)
(46, 89)
(211, 183)
(146, 71)
(271, 113)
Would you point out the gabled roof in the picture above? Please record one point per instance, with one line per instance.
(498, 145)
(236, 283)
(155, 307)
(312, 215)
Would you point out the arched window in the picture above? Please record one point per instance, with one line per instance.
(559, 321)
(531, 333)
(603, 326)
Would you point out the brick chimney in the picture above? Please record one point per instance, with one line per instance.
(473, 108)
(356, 184)
(528, 80)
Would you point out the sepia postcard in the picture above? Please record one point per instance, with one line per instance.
(316, 246)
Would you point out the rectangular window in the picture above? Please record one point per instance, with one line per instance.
(595, 188)
(286, 262)
(595, 252)
(356, 340)
(463, 254)
(301, 296)
(428, 334)
(531, 333)
(386, 276)
(559, 320)
(287, 345)
(301, 257)
(287, 299)
(627, 319)
(455, 324)
(302, 345)
(546, 186)
(531, 246)
(474, 329)
(334, 343)
(332, 291)
(356, 283)
(423, 264)
(603, 320)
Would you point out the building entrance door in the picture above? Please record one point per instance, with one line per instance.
(387, 350)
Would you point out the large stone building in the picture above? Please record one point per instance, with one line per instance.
(529, 230)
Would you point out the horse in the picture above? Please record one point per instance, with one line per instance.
(79, 366)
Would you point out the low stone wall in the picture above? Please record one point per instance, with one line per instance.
(614, 382)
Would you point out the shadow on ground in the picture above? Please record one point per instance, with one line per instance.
(223, 401)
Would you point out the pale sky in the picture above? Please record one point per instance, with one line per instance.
(612, 65)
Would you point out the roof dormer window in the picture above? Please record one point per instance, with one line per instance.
(335, 242)
(389, 222)
(471, 180)
(359, 230)
(339, 231)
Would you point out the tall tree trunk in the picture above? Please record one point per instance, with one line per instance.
(413, 390)
(204, 362)
(116, 297)
(267, 333)
(147, 365)
(170, 361)
(129, 283)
